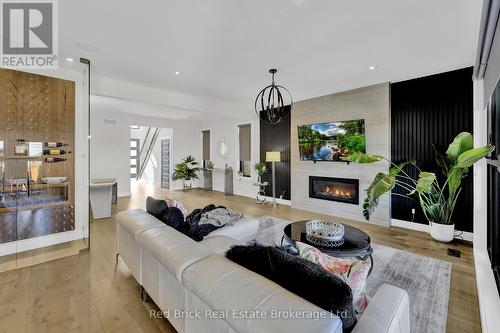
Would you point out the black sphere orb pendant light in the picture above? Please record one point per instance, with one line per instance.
(272, 101)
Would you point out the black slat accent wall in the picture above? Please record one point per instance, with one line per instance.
(426, 111)
(277, 138)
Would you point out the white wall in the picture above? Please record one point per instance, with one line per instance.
(228, 129)
(152, 171)
(110, 147)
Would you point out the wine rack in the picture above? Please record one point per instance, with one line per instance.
(38, 110)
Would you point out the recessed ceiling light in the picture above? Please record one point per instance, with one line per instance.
(69, 59)
(177, 73)
(372, 67)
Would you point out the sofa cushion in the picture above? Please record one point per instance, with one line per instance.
(220, 244)
(354, 272)
(243, 230)
(136, 221)
(300, 277)
(174, 250)
(156, 207)
(223, 284)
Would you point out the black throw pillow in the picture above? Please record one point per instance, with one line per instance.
(156, 207)
(299, 276)
(174, 218)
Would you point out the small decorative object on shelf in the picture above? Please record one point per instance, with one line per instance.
(210, 166)
(54, 159)
(54, 144)
(34, 169)
(21, 148)
(35, 149)
(53, 180)
(325, 233)
(54, 152)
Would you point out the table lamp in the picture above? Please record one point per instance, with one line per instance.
(273, 156)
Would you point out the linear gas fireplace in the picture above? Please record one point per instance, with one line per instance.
(334, 189)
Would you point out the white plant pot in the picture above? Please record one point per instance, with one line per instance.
(442, 232)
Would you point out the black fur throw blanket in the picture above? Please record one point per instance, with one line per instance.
(299, 276)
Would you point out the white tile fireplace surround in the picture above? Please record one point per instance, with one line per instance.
(368, 103)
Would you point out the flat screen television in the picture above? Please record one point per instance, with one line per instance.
(333, 141)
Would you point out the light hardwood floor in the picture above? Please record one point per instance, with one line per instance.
(91, 293)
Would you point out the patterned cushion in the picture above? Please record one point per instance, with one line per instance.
(353, 271)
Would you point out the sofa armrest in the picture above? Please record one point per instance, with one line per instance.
(387, 312)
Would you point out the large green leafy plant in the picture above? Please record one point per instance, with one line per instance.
(186, 170)
(437, 200)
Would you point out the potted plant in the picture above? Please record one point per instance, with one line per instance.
(261, 169)
(186, 171)
(436, 200)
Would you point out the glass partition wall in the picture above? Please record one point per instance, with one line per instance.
(38, 220)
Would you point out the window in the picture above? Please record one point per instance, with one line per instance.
(245, 137)
(134, 157)
(206, 147)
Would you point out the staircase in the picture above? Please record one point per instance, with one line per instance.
(148, 143)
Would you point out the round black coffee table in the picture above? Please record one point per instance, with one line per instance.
(357, 243)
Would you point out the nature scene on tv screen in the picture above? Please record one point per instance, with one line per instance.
(333, 141)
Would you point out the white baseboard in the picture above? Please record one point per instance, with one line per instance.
(281, 201)
(123, 194)
(39, 242)
(468, 236)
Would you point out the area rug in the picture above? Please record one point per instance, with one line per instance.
(425, 279)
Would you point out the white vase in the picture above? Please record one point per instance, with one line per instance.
(442, 232)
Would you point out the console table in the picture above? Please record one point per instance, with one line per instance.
(211, 176)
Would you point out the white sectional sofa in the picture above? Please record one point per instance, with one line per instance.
(200, 290)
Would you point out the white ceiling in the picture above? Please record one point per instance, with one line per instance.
(116, 105)
(223, 48)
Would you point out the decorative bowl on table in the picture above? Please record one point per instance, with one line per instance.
(53, 180)
(325, 233)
